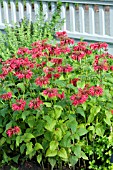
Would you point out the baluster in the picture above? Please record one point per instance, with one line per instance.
(72, 17)
(29, 10)
(102, 20)
(81, 19)
(63, 15)
(91, 20)
(6, 14)
(53, 7)
(0, 13)
(13, 11)
(36, 7)
(111, 20)
(45, 10)
(21, 10)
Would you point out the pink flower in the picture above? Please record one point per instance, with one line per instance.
(13, 131)
(64, 69)
(6, 96)
(42, 81)
(61, 34)
(78, 98)
(74, 81)
(51, 92)
(9, 132)
(19, 105)
(95, 91)
(61, 96)
(35, 103)
(57, 61)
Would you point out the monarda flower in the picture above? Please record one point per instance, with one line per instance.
(19, 105)
(95, 91)
(78, 55)
(74, 81)
(40, 81)
(78, 98)
(61, 34)
(64, 69)
(57, 61)
(50, 92)
(35, 103)
(99, 45)
(13, 131)
(6, 96)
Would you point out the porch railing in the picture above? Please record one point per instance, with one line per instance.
(82, 18)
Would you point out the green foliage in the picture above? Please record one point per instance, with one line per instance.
(24, 33)
(56, 108)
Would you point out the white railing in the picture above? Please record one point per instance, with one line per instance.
(89, 24)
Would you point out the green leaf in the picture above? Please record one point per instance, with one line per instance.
(47, 104)
(58, 111)
(83, 155)
(29, 148)
(27, 137)
(51, 153)
(62, 153)
(15, 158)
(21, 86)
(82, 131)
(25, 114)
(95, 109)
(52, 162)
(53, 145)
(58, 134)
(31, 121)
(81, 84)
(39, 158)
(50, 125)
(38, 146)
(18, 140)
(73, 160)
(77, 151)
(2, 141)
(80, 111)
(22, 148)
(9, 125)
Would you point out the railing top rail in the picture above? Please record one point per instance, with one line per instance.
(97, 2)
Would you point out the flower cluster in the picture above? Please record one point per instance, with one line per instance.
(19, 105)
(13, 131)
(35, 103)
(6, 96)
(83, 94)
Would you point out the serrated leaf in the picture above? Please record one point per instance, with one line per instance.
(82, 131)
(47, 104)
(81, 84)
(18, 140)
(83, 155)
(39, 158)
(80, 111)
(77, 150)
(38, 146)
(21, 86)
(52, 162)
(58, 111)
(15, 158)
(22, 148)
(58, 134)
(53, 145)
(29, 148)
(27, 137)
(51, 153)
(62, 153)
